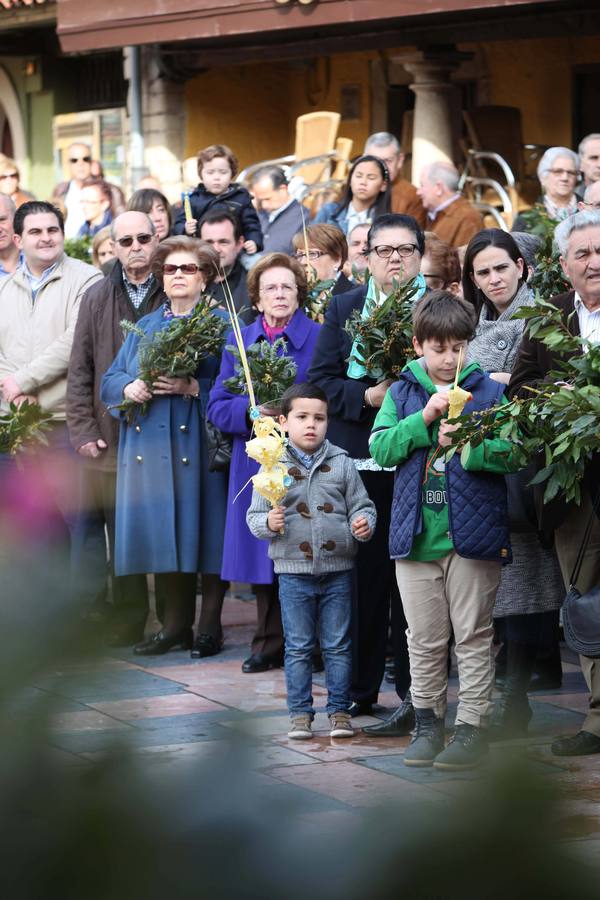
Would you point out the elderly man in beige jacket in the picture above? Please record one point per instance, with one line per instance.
(39, 304)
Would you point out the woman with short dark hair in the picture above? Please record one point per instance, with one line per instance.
(531, 589)
(277, 289)
(170, 508)
(156, 206)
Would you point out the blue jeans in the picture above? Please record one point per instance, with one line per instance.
(308, 602)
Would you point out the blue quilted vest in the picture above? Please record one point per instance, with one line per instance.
(477, 504)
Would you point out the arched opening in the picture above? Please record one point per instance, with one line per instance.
(12, 132)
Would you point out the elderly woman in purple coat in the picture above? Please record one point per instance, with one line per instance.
(277, 288)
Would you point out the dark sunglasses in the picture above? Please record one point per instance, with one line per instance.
(74, 159)
(185, 268)
(128, 240)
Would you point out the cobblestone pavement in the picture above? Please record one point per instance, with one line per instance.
(173, 709)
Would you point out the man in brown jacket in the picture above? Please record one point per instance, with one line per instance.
(578, 239)
(404, 198)
(449, 215)
(129, 292)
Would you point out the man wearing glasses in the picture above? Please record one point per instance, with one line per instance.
(68, 193)
(395, 246)
(591, 198)
(129, 292)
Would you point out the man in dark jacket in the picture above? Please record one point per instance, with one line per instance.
(280, 215)
(129, 291)
(223, 230)
(578, 239)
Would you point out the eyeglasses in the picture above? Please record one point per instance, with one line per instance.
(592, 205)
(559, 172)
(404, 251)
(9, 175)
(184, 268)
(128, 240)
(273, 288)
(76, 159)
(312, 254)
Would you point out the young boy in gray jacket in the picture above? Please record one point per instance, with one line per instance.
(313, 537)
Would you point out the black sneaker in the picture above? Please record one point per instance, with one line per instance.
(428, 739)
(466, 749)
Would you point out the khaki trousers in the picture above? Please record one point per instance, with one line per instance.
(568, 541)
(450, 593)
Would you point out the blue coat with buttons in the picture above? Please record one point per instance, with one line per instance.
(170, 512)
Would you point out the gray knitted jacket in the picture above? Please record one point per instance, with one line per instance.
(496, 342)
(320, 507)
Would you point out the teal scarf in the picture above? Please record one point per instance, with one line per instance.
(356, 367)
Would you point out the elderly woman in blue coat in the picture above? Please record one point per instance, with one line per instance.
(170, 512)
(277, 288)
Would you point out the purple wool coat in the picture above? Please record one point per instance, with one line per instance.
(245, 558)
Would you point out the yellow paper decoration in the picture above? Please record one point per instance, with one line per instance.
(270, 483)
(187, 207)
(457, 397)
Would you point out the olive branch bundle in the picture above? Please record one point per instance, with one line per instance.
(559, 423)
(272, 371)
(177, 350)
(22, 426)
(384, 337)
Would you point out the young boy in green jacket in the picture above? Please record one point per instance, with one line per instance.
(449, 530)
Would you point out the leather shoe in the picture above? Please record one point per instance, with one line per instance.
(360, 708)
(160, 643)
(206, 645)
(258, 662)
(581, 744)
(399, 724)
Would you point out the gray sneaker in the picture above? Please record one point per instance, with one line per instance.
(341, 726)
(301, 728)
(466, 749)
(428, 739)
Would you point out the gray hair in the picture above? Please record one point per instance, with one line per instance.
(275, 174)
(589, 137)
(576, 222)
(529, 246)
(587, 196)
(444, 172)
(113, 224)
(383, 139)
(550, 157)
(9, 203)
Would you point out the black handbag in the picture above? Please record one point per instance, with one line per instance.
(581, 612)
(219, 445)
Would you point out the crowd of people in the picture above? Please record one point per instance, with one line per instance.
(385, 552)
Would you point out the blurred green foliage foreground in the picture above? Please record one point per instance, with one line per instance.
(118, 829)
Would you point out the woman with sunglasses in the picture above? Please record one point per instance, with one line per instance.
(170, 514)
(9, 182)
(364, 197)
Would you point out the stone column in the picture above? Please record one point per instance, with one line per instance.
(163, 106)
(437, 114)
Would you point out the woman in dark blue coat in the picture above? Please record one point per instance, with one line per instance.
(277, 288)
(170, 513)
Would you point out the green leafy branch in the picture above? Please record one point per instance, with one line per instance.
(271, 369)
(384, 337)
(23, 426)
(177, 350)
(559, 424)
